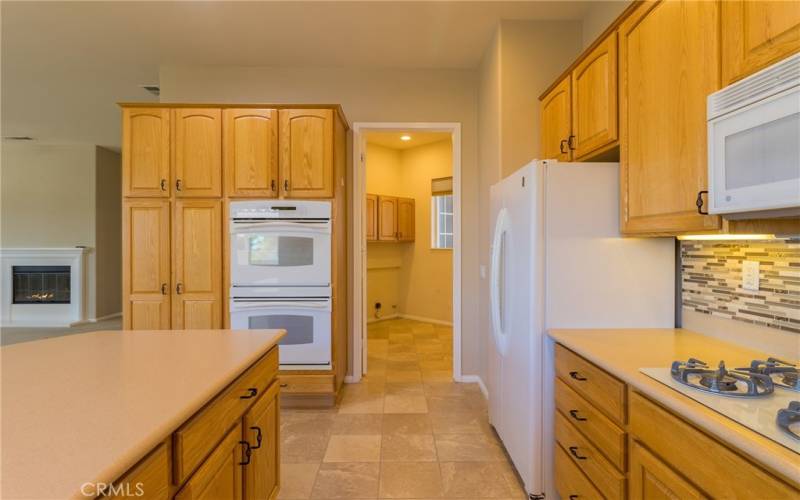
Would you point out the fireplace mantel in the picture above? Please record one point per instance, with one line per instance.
(43, 314)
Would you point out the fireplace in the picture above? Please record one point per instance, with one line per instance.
(41, 284)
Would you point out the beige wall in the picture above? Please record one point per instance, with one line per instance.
(66, 196)
(367, 95)
(598, 17)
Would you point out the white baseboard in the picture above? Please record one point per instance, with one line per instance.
(95, 320)
(384, 318)
(476, 379)
(350, 379)
(425, 320)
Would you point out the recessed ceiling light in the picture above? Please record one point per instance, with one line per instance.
(405, 137)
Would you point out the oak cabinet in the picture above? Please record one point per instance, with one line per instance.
(250, 152)
(146, 152)
(371, 213)
(757, 34)
(594, 100)
(306, 156)
(556, 122)
(650, 478)
(387, 218)
(198, 152)
(197, 259)
(146, 258)
(220, 476)
(665, 52)
(261, 430)
(405, 219)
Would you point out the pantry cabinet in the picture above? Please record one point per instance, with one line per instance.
(197, 260)
(306, 157)
(387, 218)
(146, 260)
(250, 152)
(405, 219)
(198, 152)
(665, 52)
(556, 122)
(757, 34)
(146, 152)
(371, 213)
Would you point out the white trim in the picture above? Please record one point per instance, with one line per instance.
(349, 379)
(359, 240)
(384, 318)
(424, 319)
(476, 379)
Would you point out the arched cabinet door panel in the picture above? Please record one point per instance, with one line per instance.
(198, 152)
(145, 152)
(250, 152)
(306, 153)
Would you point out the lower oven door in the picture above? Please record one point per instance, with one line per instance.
(307, 321)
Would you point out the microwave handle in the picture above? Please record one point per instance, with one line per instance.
(244, 305)
(315, 227)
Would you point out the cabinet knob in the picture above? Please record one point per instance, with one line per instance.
(179, 288)
(179, 185)
(163, 184)
(577, 376)
(699, 203)
(164, 288)
(562, 145)
(246, 452)
(258, 437)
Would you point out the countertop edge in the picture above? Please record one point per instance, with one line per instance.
(746, 441)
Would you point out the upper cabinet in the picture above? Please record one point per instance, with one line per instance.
(594, 100)
(390, 218)
(387, 218)
(405, 219)
(665, 52)
(372, 217)
(198, 152)
(555, 122)
(250, 152)
(757, 34)
(306, 157)
(145, 152)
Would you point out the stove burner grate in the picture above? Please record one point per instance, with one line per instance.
(738, 383)
(782, 373)
(788, 416)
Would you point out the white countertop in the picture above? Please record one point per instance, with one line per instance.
(86, 407)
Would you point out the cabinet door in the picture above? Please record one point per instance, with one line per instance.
(146, 265)
(372, 217)
(197, 300)
(556, 126)
(652, 479)
(250, 152)
(198, 152)
(306, 156)
(145, 152)
(405, 219)
(667, 57)
(757, 34)
(261, 430)
(220, 476)
(387, 218)
(594, 99)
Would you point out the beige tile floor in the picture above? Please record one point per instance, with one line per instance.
(406, 431)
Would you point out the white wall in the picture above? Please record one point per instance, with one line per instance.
(367, 95)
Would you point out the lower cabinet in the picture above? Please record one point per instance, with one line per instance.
(220, 476)
(652, 478)
(261, 430)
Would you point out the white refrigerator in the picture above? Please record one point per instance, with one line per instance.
(558, 261)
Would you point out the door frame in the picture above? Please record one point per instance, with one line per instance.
(359, 241)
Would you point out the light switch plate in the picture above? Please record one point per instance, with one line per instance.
(483, 272)
(750, 275)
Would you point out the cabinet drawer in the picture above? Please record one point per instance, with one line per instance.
(601, 389)
(201, 433)
(589, 460)
(683, 447)
(570, 481)
(307, 384)
(602, 432)
(149, 478)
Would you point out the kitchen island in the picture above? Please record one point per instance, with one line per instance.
(158, 413)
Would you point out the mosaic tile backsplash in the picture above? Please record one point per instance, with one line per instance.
(712, 281)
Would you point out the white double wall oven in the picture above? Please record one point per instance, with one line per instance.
(281, 276)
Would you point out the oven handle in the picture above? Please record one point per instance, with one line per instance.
(242, 305)
(322, 227)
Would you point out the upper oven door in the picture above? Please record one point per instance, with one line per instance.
(754, 156)
(281, 253)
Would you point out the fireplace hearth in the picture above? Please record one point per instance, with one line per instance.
(41, 284)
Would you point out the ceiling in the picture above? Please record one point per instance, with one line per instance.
(66, 64)
(392, 139)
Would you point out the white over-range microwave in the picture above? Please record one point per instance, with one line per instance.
(754, 144)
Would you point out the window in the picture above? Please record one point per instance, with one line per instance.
(442, 221)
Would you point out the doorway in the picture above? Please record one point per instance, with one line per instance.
(407, 264)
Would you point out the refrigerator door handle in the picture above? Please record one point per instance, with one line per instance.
(498, 251)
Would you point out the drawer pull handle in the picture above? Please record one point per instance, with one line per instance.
(163, 184)
(577, 417)
(577, 376)
(258, 437)
(285, 385)
(574, 451)
(251, 393)
(573, 497)
(561, 146)
(179, 185)
(246, 452)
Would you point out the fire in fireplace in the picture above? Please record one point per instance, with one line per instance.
(41, 284)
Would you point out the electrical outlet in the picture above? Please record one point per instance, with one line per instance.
(750, 275)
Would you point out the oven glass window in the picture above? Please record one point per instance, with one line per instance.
(280, 251)
(299, 329)
(767, 153)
